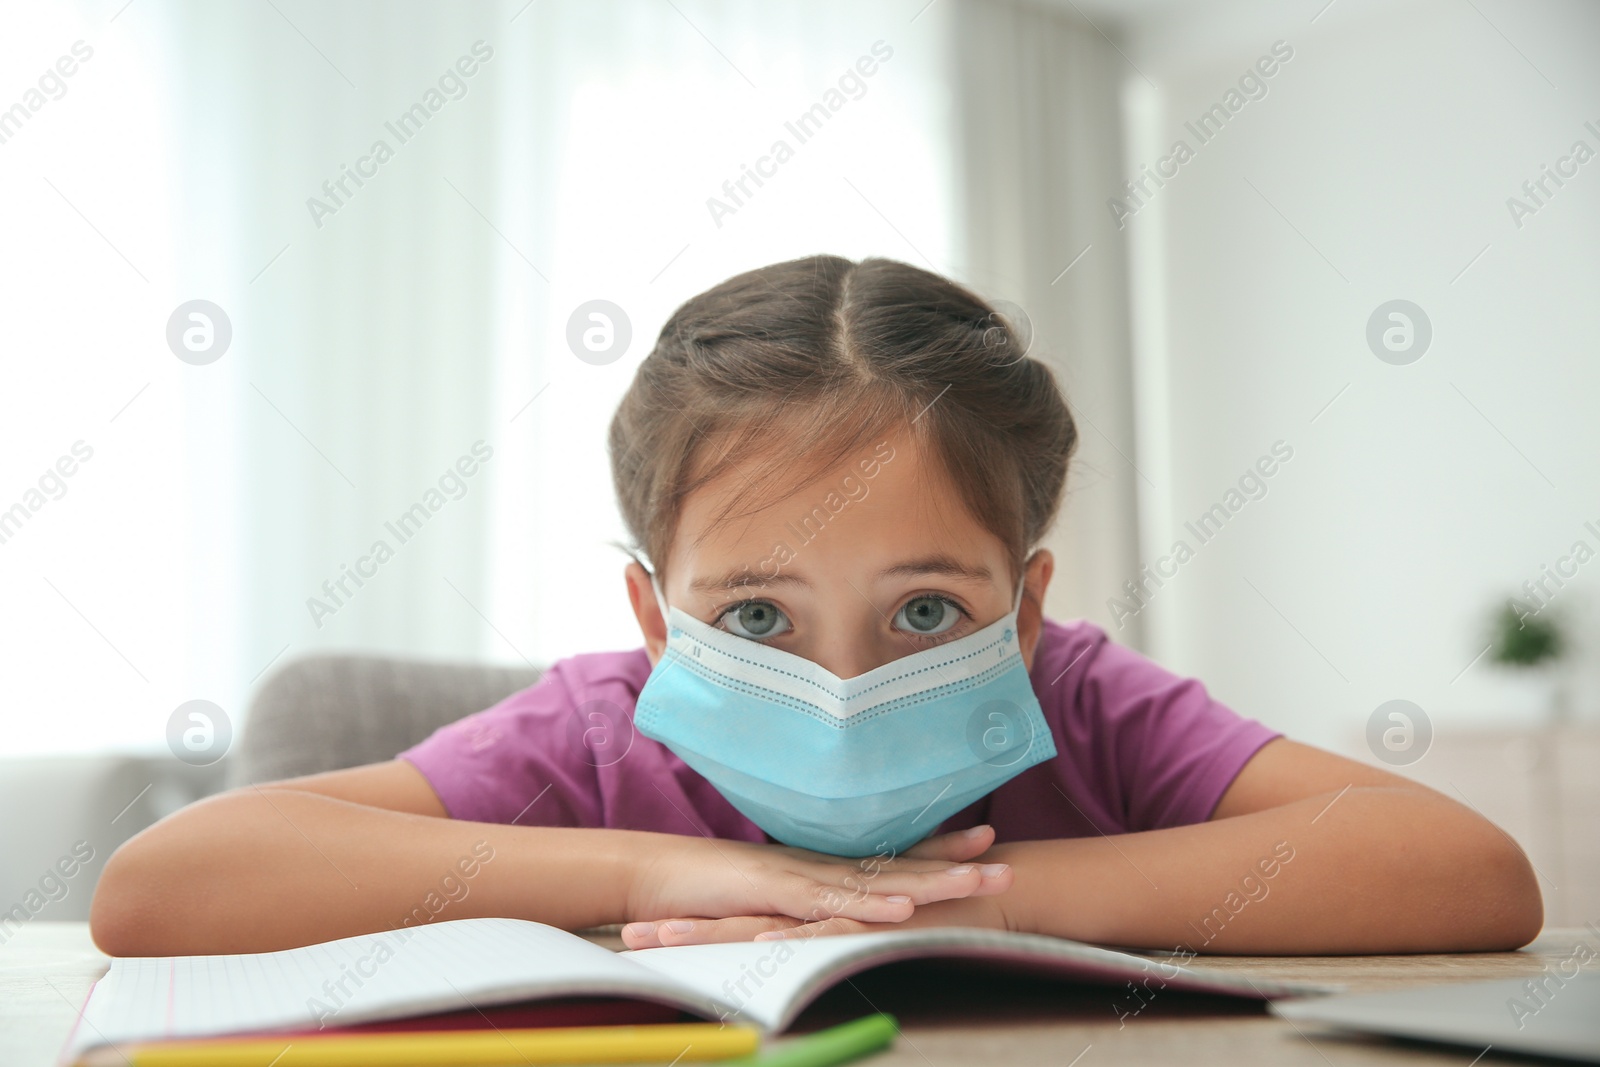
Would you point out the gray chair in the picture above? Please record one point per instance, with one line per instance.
(56, 805)
(325, 712)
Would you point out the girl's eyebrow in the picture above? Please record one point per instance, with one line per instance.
(945, 566)
(742, 577)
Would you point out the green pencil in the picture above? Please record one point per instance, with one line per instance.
(825, 1048)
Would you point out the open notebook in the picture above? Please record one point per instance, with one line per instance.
(478, 963)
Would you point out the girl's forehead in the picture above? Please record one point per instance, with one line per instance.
(888, 504)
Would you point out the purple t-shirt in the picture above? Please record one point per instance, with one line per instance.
(1137, 748)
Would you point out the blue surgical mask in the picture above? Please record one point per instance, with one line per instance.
(848, 766)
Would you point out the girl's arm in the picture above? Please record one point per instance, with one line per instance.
(370, 848)
(1307, 853)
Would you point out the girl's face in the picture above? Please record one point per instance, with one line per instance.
(874, 560)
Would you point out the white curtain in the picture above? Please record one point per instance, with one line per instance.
(117, 558)
(632, 124)
(429, 311)
(391, 309)
(1040, 146)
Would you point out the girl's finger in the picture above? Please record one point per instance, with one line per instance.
(958, 847)
(947, 881)
(816, 929)
(708, 931)
(641, 935)
(997, 878)
(812, 899)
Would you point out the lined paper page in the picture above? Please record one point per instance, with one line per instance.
(769, 982)
(444, 966)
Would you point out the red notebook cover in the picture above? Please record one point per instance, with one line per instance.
(573, 1011)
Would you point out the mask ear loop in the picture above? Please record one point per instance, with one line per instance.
(661, 598)
(1022, 585)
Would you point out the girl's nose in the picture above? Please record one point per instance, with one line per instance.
(851, 653)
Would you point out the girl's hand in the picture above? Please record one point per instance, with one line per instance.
(753, 888)
(968, 911)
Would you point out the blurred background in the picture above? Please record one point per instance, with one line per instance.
(282, 280)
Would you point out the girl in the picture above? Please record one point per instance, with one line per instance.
(849, 712)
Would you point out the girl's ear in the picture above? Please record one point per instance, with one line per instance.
(643, 598)
(1030, 616)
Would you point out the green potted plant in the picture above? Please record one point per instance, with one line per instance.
(1530, 644)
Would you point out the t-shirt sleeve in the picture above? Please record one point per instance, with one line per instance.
(1161, 749)
(517, 761)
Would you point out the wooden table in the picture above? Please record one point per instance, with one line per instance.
(948, 1016)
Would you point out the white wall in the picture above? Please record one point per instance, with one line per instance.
(1377, 167)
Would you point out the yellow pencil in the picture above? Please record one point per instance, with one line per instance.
(452, 1048)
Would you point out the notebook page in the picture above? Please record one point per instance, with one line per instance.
(443, 966)
(761, 982)
(769, 982)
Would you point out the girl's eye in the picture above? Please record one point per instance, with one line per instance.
(755, 619)
(927, 615)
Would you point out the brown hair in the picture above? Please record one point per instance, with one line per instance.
(808, 361)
